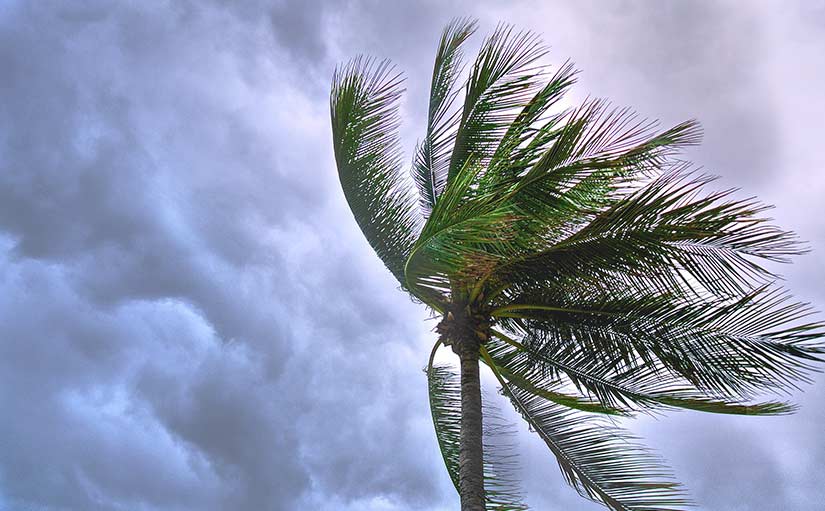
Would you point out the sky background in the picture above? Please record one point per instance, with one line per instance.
(190, 318)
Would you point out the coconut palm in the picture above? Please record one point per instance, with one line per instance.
(574, 254)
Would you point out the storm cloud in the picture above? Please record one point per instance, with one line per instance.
(189, 316)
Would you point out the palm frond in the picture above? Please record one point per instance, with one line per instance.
(523, 141)
(364, 110)
(741, 347)
(504, 77)
(646, 387)
(601, 461)
(432, 158)
(589, 152)
(540, 205)
(612, 141)
(445, 407)
(664, 236)
(544, 387)
(591, 164)
(502, 488)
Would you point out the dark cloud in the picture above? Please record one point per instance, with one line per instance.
(189, 317)
(163, 212)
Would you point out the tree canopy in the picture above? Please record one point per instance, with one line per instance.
(601, 273)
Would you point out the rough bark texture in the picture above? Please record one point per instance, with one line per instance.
(471, 471)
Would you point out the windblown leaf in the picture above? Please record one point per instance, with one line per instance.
(541, 387)
(744, 347)
(364, 110)
(598, 459)
(646, 387)
(502, 82)
(665, 228)
(432, 159)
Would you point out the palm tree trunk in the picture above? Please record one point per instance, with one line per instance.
(471, 464)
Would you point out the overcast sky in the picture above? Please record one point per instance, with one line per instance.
(190, 318)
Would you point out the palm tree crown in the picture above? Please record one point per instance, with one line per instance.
(573, 253)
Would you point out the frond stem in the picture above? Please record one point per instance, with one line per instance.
(502, 311)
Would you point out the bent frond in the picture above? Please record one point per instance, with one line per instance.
(601, 461)
(646, 387)
(432, 158)
(364, 109)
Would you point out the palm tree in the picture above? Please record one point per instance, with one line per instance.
(573, 253)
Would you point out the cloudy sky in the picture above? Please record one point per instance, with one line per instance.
(189, 316)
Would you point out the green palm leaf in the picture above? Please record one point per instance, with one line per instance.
(664, 232)
(548, 389)
(598, 459)
(646, 387)
(502, 81)
(364, 110)
(432, 159)
(744, 347)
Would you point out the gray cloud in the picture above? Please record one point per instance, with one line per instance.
(189, 318)
(160, 193)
